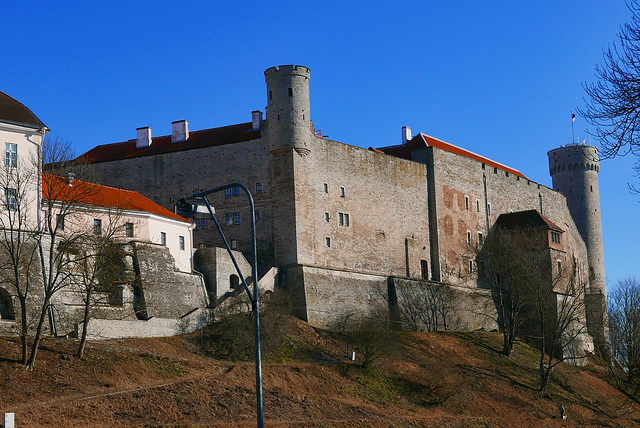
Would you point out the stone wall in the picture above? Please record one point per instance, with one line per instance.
(219, 271)
(489, 192)
(386, 231)
(167, 293)
(167, 177)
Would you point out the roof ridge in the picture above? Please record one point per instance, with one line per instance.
(469, 151)
(169, 135)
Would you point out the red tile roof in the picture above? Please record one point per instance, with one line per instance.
(197, 139)
(422, 140)
(86, 193)
(14, 112)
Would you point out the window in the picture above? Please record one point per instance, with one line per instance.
(128, 230)
(290, 91)
(327, 241)
(559, 267)
(343, 219)
(477, 205)
(259, 187)
(228, 219)
(233, 244)
(480, 238)
(326, 188)
(555, 237)
(156, 199)
(97, 226)
(59, 222)
(488, 209)
(236, 218)
(327, 217)
(201, 223)
(227, 192)
(163, 238)
(470, 266)
(466, 203)
(342, 192)
(181, 242)
(11, 198)
(236, 190)
(11, 155)
(468, 237)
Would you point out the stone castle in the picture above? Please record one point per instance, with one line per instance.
(342, 229)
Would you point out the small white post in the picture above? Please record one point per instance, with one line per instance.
(9, 420)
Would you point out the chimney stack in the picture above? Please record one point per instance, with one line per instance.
(406, 134)
(256, 118)
(179, 131)
(70, 178)
(144, 137)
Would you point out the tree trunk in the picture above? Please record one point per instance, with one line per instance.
(25, 329)
(85, 324)
(38, 336)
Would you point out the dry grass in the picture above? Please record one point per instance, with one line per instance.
(431, 379)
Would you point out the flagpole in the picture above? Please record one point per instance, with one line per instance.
(573, 119)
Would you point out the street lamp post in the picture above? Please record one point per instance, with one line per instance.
(198, 206)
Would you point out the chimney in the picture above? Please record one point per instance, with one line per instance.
(256, 118)
(179, 131)
(144, 137)
(406, 134)
(70, 178)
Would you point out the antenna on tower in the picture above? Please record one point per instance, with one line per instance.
(573, 119)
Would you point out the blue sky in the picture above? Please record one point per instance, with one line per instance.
(497, 78)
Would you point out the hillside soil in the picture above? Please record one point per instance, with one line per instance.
(422, 379)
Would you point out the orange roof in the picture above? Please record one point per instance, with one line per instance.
(422, 140)
(83, 192)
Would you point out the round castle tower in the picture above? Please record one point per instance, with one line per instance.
(574, 171)
(288, 113)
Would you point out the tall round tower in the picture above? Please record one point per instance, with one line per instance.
(574, 172)
(288, 113)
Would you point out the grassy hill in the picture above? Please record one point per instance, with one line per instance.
(443, 379)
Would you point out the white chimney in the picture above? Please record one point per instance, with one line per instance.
(179, 131)
(256, 118)
(144, 137)
(406, 134)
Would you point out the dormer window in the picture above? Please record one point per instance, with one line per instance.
(556, 237)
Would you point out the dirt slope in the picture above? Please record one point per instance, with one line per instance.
(426, 379)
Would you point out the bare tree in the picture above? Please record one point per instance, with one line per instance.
(505, 265)
(613, 105)
(558, 303)
(98, 268)
(18, 250)
(425, 307)
(62, 199)
(624, 330)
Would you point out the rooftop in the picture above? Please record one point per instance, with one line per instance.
(14, 112)
(82, 192)
(422, 140)
(531, 219)
(159, 145)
